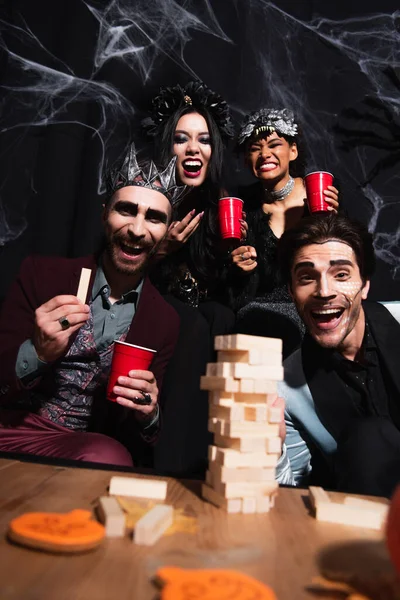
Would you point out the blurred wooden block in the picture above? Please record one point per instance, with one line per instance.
(238, 428)
(251, 357)
(220, 398)
(265, 503)
(257, 412)
(248, 443)
(275, 414)
(219, 473)
(246, 342)
(138, 488)
(231, 505)
(224, 384)
(244, 371)
(83, 285)
(243, 490)
(112, 516)
(257, 386)
(232, 458)
(249, 505)
(233, 412)
(153, 524)
(358, 514)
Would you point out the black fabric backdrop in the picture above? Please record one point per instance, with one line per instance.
(76, 78)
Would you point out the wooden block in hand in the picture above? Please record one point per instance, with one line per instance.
(224, 384)
(219, 473)
(83, 285)
(241, 341)
(232, 458)
(251, 357)
(138, 487)
(231, 505)
(238, 428)
(153, 524)
(112, 516)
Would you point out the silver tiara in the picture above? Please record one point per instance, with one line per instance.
(268, 120)
(147, 175)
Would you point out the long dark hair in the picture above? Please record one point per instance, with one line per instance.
(165, 142)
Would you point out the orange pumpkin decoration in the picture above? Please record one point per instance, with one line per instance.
(57, 532)
(211, 584)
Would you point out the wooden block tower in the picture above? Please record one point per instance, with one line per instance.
(247, 446)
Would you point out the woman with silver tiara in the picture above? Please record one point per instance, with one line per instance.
(193, 123)
(274, 152)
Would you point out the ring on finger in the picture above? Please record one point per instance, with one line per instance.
(65, 324)
(144, 399)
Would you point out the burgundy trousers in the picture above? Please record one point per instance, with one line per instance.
(28, 433)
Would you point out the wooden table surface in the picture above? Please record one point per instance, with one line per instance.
(280, 548)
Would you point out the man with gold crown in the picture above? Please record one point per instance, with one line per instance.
(56, 351)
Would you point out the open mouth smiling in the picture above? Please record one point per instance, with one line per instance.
(192, 167)
(327, 318)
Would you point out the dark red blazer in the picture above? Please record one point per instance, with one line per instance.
(155, 324)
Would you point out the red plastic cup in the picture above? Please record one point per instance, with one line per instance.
(230, 212)
(125, 358)
(316, 183)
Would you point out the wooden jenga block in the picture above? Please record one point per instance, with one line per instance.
(231, 505)
(275, 414)
(153, 524)
(137, 487)
(243, 371)
(244, 443)
(219, 473)
(253, 399)
(249, 505)
(251, 357)
(241, 341)
(209, 478)
(257, 386)
(378, 507)
(237, 428)
(264, 503)
(224, 384)
(112, 516)
(232, 458)
(83, 285)
(258, 413)
(273, 445)
(233, 412)
(243, 490)
(347, 513)
(221, 398)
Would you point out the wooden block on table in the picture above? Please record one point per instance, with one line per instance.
(346, 514)
(265, 503)
(231, 505)
(241, 341)
(243, 371)
(378, 507)
(232, 458)
(220, 398)
(249, 443)
(252, 399)
(209, 478)
(83, 285)
(249, 505)
(112, 516)
(243, 490)
(237, 428)
(251, 357)
(138, 487)
(233, 412)
(224, 384)
(220, 473)
(153, 524)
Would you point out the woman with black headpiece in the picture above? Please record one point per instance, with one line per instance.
(194, 123)
(191, 122)
(274, 152)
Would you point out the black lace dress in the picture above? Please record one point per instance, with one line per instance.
(260, 298)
